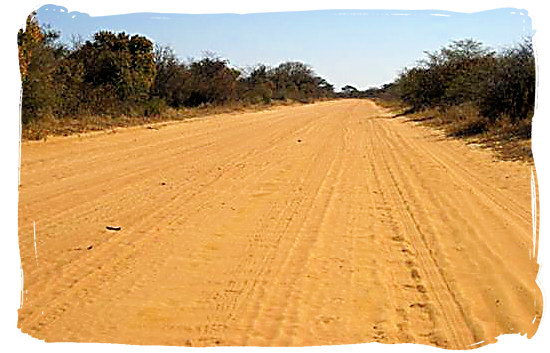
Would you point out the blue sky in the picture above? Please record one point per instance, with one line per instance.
(364, 48)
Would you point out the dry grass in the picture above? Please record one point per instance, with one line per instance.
(395, 105)
(50, 126)
(510, 141)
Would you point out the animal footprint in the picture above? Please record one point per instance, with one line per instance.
(415, 274)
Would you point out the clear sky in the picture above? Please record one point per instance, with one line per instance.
(357, 47)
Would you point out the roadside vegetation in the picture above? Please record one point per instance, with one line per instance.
(471, 92)
(116, 79)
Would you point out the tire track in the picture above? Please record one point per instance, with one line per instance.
(486, 257)
(71, 276)
(318, 224)
(447, 304)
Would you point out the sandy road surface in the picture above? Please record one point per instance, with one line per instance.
(311, 225)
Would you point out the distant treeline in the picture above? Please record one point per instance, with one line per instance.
(474, 89)
(349, 91)
(117, 74)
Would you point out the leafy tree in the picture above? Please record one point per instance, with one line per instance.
(256, 86)
(510, 89)
(210, 81)
(38, 59)
(119, 62)
(500, 86)
(349, 91)
(117, 73)
(296, 80)
(171, 77)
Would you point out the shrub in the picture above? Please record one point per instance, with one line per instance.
(116, 74)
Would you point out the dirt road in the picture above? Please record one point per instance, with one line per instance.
(319, 224)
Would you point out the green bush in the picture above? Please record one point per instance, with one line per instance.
(116, 74)
(466, 72)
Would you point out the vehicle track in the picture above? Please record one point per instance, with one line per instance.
(329, 223)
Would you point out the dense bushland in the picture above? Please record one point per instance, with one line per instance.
(472, 91)
(118, 75)
(466, 72)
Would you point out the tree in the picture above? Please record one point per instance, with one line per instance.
(117, 73)
(510, 89)
(465, 72)
(38, 60)
(210, 81)
(256, 85)
(120, 64)
(296, 80)
(349, 91)
(171, 77)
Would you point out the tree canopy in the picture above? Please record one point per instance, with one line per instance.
(118, 73)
